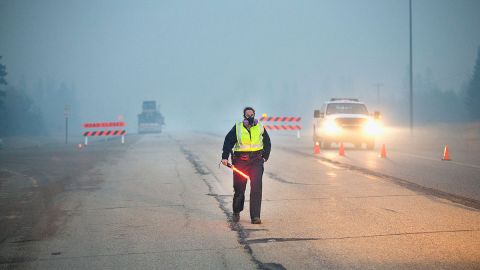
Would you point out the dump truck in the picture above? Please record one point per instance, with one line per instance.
(150, 120)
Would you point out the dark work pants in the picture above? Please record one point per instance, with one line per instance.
(252, 165)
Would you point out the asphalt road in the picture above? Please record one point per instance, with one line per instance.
(162, 202)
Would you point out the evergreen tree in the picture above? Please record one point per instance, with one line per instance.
(3, 74)
(473, 91)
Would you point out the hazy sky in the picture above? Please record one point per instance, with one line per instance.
(204, 60)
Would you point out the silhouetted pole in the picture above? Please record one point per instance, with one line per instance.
(66, 113)
(66, 130)
(411, 71)
(378, 85)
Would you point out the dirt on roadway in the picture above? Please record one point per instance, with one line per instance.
(31, 180)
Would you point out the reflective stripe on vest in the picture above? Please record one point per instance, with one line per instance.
(249, 142)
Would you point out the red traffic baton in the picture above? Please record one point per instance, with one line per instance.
(229, 165)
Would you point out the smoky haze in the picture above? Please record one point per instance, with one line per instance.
(204, 61)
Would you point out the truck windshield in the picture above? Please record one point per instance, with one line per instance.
(149, 105)
(347, 108)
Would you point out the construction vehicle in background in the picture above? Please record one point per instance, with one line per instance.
(343, 120)
(150, 120)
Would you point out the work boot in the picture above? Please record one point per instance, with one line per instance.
(236, 217)
(256, 220)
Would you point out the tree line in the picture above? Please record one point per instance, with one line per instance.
(33, 111)
(39, 111)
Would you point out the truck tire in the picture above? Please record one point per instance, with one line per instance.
(325, 144)
(315, 137)
(371, 145)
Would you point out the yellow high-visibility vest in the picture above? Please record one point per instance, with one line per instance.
(249, 141)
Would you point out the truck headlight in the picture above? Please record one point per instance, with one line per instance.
(331, 127)
(372, 127)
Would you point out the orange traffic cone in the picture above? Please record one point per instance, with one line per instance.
(341, 150)
(316, 148)
(446, 155)
(383, 151)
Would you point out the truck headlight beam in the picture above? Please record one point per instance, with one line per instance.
(331, 127)
(372, 128)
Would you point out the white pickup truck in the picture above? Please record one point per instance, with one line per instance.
(345, 120)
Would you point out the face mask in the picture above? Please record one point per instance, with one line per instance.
(250, 121)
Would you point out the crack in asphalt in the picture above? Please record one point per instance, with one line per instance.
(468, 202)
(57, 258)
(399, 181)
(390, 210)
(278, 178)
(187, 210)
(123, 207)
(242, 233)
(273, 240)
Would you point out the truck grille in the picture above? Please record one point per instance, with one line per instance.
(350, 122)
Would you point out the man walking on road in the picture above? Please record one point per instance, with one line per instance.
(251, 146)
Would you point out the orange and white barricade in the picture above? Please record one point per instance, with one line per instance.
(105, 132)
(294, 123)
